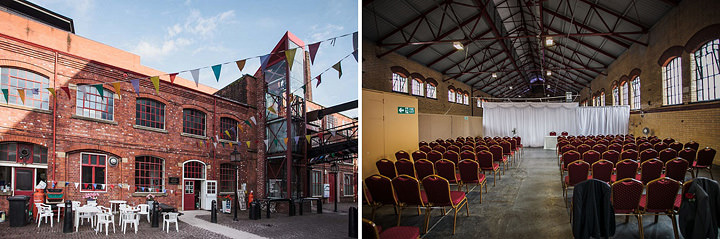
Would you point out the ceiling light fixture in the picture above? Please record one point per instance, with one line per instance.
(511, 87)
(549, 73)
(549, 41)
(494, 75)
(548, 86)
(458, 45)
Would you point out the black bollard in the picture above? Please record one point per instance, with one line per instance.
(69, 219)
(213, 212)
(301, 205)
(291, 207)
(234, 207)
(353, 222)
(155, 218)
(267, 208)
(319, 206)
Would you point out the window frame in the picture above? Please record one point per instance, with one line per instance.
(602, 98)
(316, 185)
(699, 77)
(227, 175)
(89, 96)
(417, 87)
(161, 172)
(451, 95)
(635, 88)
(401, 82)
(427, 91)
(624, 93)
(672, 82)
(345, 185)
(39, 81)
(185, 122)
(138, 113)
(82, 165)
(466, 99)
(226, 126)
(616, 95)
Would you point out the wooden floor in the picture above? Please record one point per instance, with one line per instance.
(526, 203)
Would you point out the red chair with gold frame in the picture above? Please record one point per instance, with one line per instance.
(600, 148)
(650, 170)
(602, 170)
(627, 168)
(386, 168)
(433, 144)
(591, 156)
(467, 147)
(467, 155)
(497, 153)
(481, 148)
(660, 146)
(507, 152)
(689, 154)
(578, 171)
(422, 143)
(677, 146)
(612, 156)
(470, 174)
(644, 146)
(654, 140)
(676, 169)
(583, 148)
(434, 156)
(564, 133)
(668, 141)
(660, 199)
(647, 155)
(418, 155)
(402, 155)
(564, 149)
(452, 156)
(439, 195)
(424, 168)
(446, 169)
(408, 193)
(453, 148)
(629, 154)
(693, 145)
(704, 160)
(372, 231)
(405, 166)
(440, 148)
(425, 149)
(381, 192)
(630, 146)
(625, 196)
(486, 163)
(667, 154)
(552, 133)
(616, 147)
(518, 140)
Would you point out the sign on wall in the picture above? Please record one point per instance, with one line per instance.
(326, 190)
(174, 180)
(406, 110)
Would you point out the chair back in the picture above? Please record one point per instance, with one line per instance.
(423, 168)
(433, 144)
(629, 154)
(654, 140)
(467, 147)
(145, 208)
(566, 148)
(600, 148)
(604, 141)
(644, 146)
(497, 152)
(591, 156)
(552, 133)
(76, 204)
(437, 190)
(612, 156)
(583, 148)
(651, 170)
(518, 140)
(434, 156)
(445, 143)
(630, 146)
(407, 190)
(418, 155)
(422, 143)
(626, 169)
(648, 154)
(440, 148)
(577, 172)
(661, 194)
(453, 148)
(468, 155)
(626, 195)
(590, 142)
(481, 148)
(668, 141)
(576, 142)
(452, 156)
(705, 156)
(660, 146)
(446, 169)
(564, 133)
(426, 148)
(506, 147)
(676, 169)
(379, 187)
(386, 168)
(469, 171)
(667, 154)
(569, 157)
(602, 170)
(513, 144)
(693, 145)
(677, 146)
(402, 155)
(170, 216)
(688, 154)
(406, 167)
(615, 146)
(485, 159)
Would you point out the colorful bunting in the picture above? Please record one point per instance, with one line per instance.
(172, 77)
(248, 143)
(240, 64)
(67, 90)
(6, 94)
(271, 109)
(76, 185)
(36, 91)
(196, 76)
(338, 68)
(297, 138)
(253, 119)
(286, 141)
(290, 57)
(228, 133)
(318, 81)
(263, 61)
(313, 50)
(248, 123)
(216, 69)
(308, 137)
(136, 86)
(21, 92)
(116, 86)
(156, 82)
(100, 89)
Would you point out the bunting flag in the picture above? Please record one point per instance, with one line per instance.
(196, 76)
(271, 109)
(119, 185)
(76, 185)
(67, 90)
(222, 144)
(275, 141)
(201, 143)
(355, 46)
(318, 81)
(240, 127)
(156, 82)
(216, 69)
(240, 64)
(333, 132)
(263, 61)
(297, 138)
(248, 123)
(266, 142)
(313, 50)
(308, 137)
(228, 133)
(253, 119)
(67, 183)
(172, 191)
(217, 138)
(290, 57)
(286, 141)
(52, 91)
(230, 143)
(53, 184)
(100, 89)
(215, 144)
(136, 86)
(248, 144)
(233, 130)
(172, 77)
(5, 93)
(112, 186)
(116, 86)
(21, 92)
(338, 68)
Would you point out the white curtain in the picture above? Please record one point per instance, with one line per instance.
(533, 121)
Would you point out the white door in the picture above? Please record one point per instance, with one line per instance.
(208, 194)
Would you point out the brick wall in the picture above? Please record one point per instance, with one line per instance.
(680, 122)
(376, 75)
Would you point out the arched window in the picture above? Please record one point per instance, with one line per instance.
(150, 113)
(616, 95)
(93, 105)
(431, 89)
(149, 174)
(624, 93)
(451, 95)
(672, 82)
(459, 95)
(12, 79)
(636, 93)
(399, 83)
(417, 87)
(466, 99)
(228, 129)
(602, 98)
(227, 177)
(706, 62)
(193, 122)
(594, 101)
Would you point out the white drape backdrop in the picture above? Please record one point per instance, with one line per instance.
(533, 121)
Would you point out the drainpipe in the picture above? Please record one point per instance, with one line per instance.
(54, 118)
(213, 124)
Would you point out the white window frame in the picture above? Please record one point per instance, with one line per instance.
(672, 82)
(635, 93)
(602, 98)
(431, 91)
(451, 96)
(417, 87)
(625, 93)
(352, 193)
(81, 173)
(397, 83)
(708, 77)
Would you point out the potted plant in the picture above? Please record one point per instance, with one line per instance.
(91, 197)
(150, 198)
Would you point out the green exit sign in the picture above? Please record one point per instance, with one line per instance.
(406, 110)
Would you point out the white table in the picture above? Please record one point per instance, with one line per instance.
(60, 205)
(550, 142)
(84, 209)
(118, 202)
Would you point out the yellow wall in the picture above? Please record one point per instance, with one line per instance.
(434, 126)
(384, 131)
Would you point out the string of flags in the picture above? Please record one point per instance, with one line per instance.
(195, 73)
(103, 186)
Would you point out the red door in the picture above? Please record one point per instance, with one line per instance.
(331, 181)
(189, 195)
(24, 181)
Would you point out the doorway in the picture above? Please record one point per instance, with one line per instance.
(24, 181)
(331, 181)
(193, 180)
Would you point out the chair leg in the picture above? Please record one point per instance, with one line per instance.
(494, 179)
(454, 221)
(427, 219)
(372, 213)
(674, 224)
(640, 226)
(399, 216)
(626, 218)
(418, 209)
(656, 217)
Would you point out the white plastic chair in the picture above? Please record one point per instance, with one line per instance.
(168, 218)
(129, 217)
(44, 211)
(87, 215)
(92, 203)
(144, 210)
(105, 218)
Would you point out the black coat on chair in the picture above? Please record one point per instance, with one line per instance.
(592, 212)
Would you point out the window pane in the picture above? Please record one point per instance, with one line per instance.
(100, 175)
(87, 174)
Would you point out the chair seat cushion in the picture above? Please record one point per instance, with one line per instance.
(494, 167)
(695, 165)
(401, 233)
(457, 197)
(643, 203)
(623, 211)
(678, 201)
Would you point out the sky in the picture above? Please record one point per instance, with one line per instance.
(173, 36)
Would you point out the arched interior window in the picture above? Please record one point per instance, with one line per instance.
(624, 93)
(635, 93)
(399, 83)
(672, 82)
(431, 90)
(602, 98)
(616, 95)
(451, 95)
(417, 87)
(706, 62)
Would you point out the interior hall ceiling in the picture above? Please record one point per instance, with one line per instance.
(506, 37)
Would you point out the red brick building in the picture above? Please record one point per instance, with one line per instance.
(120, 144)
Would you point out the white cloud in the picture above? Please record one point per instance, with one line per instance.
(156, 50)
(174, 30)
(324, 32)
(205, 26)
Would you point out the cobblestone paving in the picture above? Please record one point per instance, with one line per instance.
(312, 225)
(144, 231)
